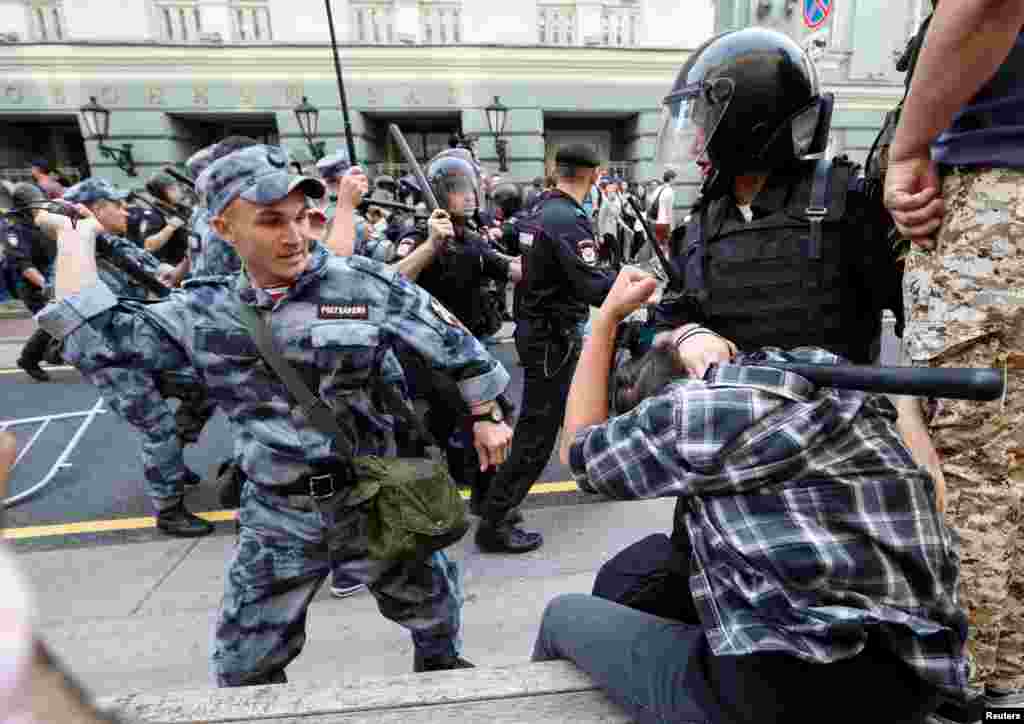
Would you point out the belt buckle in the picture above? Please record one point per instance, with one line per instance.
(315, 480)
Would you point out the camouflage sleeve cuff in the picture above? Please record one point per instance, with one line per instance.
(64, 316)
(485, 387)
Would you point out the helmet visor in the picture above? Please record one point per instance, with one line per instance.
(456, 185)
(689, 119)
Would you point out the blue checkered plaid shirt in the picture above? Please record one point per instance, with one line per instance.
(810, 523)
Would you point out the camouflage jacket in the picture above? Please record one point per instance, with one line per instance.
(334, 326)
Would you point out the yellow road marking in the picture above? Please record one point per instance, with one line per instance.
(214, 516)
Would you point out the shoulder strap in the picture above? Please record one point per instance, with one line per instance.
(817, 208)
(315, 409)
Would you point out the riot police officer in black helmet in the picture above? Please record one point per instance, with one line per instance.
(453, 273)
(782, 250)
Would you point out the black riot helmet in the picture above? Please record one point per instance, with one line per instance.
(508, 198)
(746, 101)
(453, 175)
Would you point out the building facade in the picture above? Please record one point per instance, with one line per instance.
(179, 74)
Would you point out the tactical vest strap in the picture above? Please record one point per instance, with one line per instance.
(817, 210)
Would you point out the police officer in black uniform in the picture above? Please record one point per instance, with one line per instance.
(561, 282)
(164, 233)
(454, 276)
(30, 255)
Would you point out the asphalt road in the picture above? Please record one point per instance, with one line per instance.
(104, 480)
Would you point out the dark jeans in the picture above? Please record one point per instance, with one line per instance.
(663, 671)
(549, 362)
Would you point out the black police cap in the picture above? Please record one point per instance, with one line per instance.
(578, 155)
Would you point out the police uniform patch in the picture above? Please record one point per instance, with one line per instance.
(587, 251)
(343, 311)
(525, 239)
(12, 239)
(442, 311)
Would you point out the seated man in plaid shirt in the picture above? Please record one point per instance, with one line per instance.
(823, 579)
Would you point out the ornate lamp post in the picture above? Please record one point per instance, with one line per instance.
(308, 117)
(97, 124)
(497, 117)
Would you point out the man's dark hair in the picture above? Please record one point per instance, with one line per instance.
(668, 176)
(642, 377)
(42, 164)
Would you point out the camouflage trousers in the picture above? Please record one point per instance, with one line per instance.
(134, 396)
(283, 555)
(964, 306)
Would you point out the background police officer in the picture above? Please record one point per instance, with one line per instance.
(137, 395)
(339, 175)
(29, 258)
(562, 282)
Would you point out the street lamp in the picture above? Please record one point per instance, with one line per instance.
(308, 117)
(497, 117)
(97, 124)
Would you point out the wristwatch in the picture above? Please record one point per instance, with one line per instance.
(494, 415)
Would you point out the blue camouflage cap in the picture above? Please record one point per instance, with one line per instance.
(92, 190)
(334, 165)
(258, 174)
(199, 160)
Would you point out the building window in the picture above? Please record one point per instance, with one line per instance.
(251, 21)
(620, 25)
(373, 21)
(46, 20)
(556, 24)
(440, 23)
(179, 20)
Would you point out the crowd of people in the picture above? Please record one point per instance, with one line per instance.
(827, 542)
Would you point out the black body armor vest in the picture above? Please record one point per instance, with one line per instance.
(794, 277)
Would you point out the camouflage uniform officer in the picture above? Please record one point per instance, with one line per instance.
(137, 395)
(333, 169)
(956, 166)
(332, 318)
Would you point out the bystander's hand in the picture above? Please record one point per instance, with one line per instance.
(913, 195)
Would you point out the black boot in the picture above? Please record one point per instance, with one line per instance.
(178, 521)
(32, 354)
(506, 537)
(439, 663)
